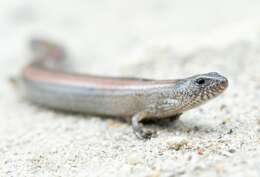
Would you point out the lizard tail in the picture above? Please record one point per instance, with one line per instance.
(43, 49)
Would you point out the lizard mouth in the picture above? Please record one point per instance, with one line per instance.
(222, 84)
(215, 89)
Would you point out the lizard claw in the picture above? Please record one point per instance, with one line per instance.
(145, 133)
(139, 130)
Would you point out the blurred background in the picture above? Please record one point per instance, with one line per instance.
(147, 38)
(125, 31)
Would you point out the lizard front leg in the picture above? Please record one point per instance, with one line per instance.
(138, 127)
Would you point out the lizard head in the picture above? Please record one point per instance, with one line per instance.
(198, 89)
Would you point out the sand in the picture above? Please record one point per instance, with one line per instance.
(146, 38)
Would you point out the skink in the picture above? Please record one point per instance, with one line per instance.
(136, 99)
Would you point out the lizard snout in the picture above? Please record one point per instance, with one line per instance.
(222, 83)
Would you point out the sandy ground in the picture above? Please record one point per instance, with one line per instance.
(148, 38)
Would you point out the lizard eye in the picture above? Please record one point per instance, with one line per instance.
(200, 81)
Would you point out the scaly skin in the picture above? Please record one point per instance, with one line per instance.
(186, 94)
(136, 99)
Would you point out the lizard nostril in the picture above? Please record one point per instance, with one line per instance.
(223, 83)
